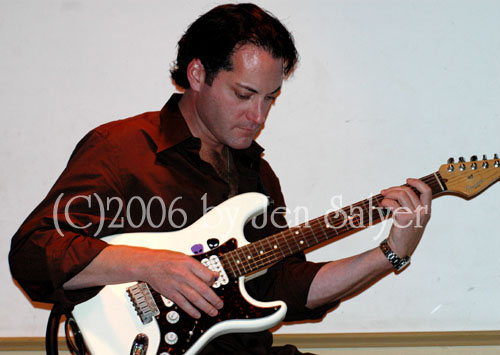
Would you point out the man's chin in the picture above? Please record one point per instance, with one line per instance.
(242, 144)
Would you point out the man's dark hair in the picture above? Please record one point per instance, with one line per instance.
(214, 36)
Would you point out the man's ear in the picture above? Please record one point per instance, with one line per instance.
(195, 74)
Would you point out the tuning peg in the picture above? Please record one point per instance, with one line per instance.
(461, 160)
(473, 158)
(451, 160)
(484, 157)
(495, 156)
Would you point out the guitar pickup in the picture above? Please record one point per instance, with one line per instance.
(214, 264)
(143, 302)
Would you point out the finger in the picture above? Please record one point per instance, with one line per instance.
(185, 305)
(390, 204)
(423, 188)
(203, 273)
(203, 287)
(203, 299)
(403, 195)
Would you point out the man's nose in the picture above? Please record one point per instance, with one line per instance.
(257, 113)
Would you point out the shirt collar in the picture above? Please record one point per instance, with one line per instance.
(174, 130)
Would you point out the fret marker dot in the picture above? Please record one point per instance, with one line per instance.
(237, 261)
(296, 232)
(301, 242)
(275, 247)
(261, 252)
(249, 257)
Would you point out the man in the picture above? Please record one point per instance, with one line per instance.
(196, 152)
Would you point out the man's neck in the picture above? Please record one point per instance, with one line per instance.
(209, 148)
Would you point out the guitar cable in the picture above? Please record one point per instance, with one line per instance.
(76, 347)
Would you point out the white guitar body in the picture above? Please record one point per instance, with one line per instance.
(109, 322)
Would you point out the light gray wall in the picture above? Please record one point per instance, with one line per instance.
(385, 90)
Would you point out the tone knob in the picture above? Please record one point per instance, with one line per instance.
(171, 338)
(173, 317)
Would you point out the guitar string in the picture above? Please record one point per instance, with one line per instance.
(283, 239)
(266, 257)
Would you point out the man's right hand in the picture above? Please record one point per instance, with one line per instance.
(185, 281)
(179, 277)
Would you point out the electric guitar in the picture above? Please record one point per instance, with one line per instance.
(132, 318)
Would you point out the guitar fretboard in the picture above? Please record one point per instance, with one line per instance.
(335, 225)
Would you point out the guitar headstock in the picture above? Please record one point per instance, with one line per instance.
(472, 177)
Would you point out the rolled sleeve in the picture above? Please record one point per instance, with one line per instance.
(61, 236)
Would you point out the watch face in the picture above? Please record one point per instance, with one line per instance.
(402, 263)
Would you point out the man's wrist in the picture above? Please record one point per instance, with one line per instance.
(397, 262)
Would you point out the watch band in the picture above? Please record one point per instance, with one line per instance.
(397, 263)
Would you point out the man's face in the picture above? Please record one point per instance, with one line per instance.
(234, 108)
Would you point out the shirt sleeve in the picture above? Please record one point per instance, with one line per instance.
(61, 236)
(290, 279)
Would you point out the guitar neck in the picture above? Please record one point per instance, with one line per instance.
(260, 255)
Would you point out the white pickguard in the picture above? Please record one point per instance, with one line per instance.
(109, 322)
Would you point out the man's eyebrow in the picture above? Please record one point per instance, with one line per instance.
(255, 91)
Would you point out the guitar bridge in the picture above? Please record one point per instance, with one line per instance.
(143, 302)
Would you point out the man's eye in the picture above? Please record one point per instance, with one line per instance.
(242, 96)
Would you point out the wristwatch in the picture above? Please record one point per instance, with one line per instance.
(397, 263)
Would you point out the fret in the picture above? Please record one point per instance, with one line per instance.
(294, 236)
(262, 252)
(376, 207)
(277, 245)
(352, 217)
(271, 251)
(247, 256)
(328, 225)
(367, 211)
(304, 237)
(317, 221)
(286, 242)
(225, 262)
(256, 259)
(239, 262)
(235, 264)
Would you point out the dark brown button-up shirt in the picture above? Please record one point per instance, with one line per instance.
(147, 166)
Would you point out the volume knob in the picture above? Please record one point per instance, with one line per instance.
(172, 317)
